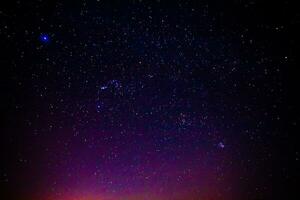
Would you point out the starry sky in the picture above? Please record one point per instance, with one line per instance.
(144, 100)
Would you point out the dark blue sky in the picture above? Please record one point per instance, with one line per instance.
(165, 100)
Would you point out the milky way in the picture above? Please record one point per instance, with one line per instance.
(143, 101)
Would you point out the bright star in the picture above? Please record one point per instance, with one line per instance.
(44, 38)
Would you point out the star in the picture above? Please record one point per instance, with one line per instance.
(44, 38)
(221, 145)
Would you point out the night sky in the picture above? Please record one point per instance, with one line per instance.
(147, 100)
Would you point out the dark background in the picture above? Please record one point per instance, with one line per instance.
(271, 25)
